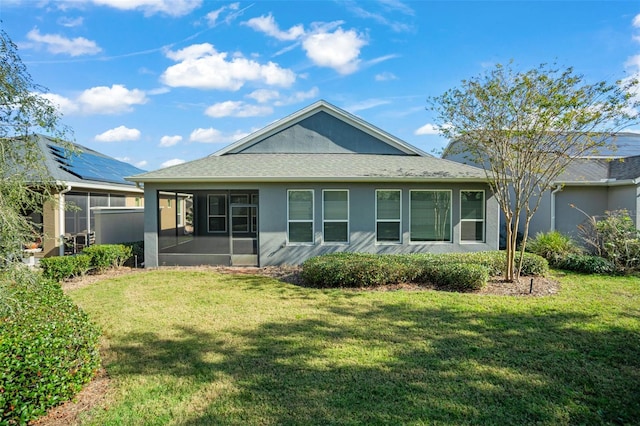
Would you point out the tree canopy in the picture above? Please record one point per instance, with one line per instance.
(25, 183)
(525, 127)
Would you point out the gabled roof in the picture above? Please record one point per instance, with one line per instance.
(83, 167)
(320, 107)
(319, 143)
(315, 168)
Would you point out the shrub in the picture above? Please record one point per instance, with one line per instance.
(64, 267)
(553, 246)
(495, 261)
(105, 256)
(48, 347)
(587, 264)
(357, 270)
(137, 254)
(369, 270)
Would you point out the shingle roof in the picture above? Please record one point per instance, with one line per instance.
(314, 167)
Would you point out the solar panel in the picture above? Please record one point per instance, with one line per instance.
(93, 167)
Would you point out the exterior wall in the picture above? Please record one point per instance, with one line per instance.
(51, 228)
(116, 225)
(272, 220)
(593, 200)
(625, 197)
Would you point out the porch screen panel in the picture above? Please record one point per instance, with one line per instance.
(300, 216)
(430, 215)
(217, 212)
(336, 216)
(388, 216)
(75, 217)
(472, 216)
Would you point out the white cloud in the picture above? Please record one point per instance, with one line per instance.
(141, 164)
(263, 95)
(167, 141)
(58, 44)
(119, 134)
(212, 135)
(636, 21)
(237, 109)
(212, 17)
(367, 104)
(339, 50)
(151, 7)
(267, 25)
(172, 162)
(110, 100)
(430, 129)
(64, 105)
(298, 97)
(201, 66)
(386, 76)
(71, 22)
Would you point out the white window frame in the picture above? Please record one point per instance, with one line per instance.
(399, 220)
(347, 220)
(312, 220)
(209, 215)
(450, 240)
(484, 217)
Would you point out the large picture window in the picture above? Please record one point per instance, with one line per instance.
(430, 218)
(217, 212)
(300, 216)
(472, 216)
(388, 216)
(335, 221)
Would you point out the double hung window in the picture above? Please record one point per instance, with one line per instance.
(300, 216)
(388, 216)
(472, 216)
(335, 221)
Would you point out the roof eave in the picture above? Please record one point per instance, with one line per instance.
(312, 179)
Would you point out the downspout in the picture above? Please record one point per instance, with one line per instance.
(61, 205)
(553, 206)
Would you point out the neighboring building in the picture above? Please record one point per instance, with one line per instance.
(88, 180)
(320, 180)
(594, 184)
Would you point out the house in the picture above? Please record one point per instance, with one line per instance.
(89, 181)
(320, 180)
(593, 184)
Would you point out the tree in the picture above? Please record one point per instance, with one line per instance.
(525, 127)
(25, 183)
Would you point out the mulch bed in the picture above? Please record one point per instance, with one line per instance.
(94, 392)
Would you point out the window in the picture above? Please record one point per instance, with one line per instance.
(430, 218)
(240, 214)
(388, 215)
(217, 212)
(179, 211)
(472, 216)
(335, 221)
(300, 216)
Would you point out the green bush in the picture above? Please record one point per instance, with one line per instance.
(370, 270)
(495, 261)
(48, 347)
(553, 246)
(64, 267)
(137, 253)
(105, 256)
(357, 270)
(587, 264)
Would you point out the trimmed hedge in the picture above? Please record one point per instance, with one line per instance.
(587, 264)
(48, 347)
(456, 271)
(105, 256)
(60, 268)
(98, 258)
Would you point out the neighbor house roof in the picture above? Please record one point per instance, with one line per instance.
(76, 165)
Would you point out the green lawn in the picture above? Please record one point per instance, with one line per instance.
(193, 347)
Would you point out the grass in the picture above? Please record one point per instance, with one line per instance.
(195, 347)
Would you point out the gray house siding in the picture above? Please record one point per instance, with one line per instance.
(273, 248)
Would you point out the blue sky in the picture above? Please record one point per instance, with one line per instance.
(159, 82)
